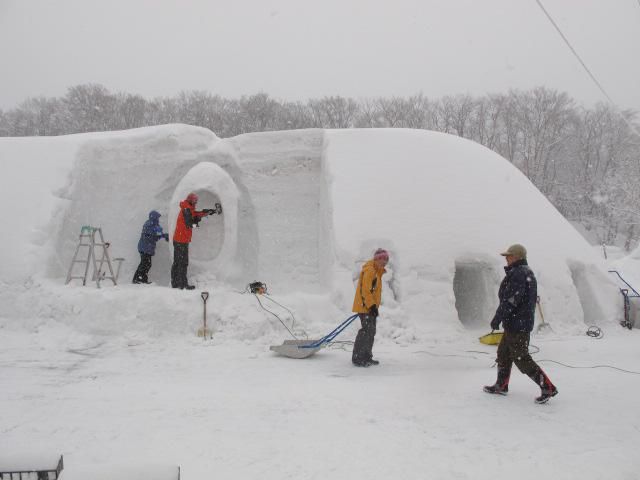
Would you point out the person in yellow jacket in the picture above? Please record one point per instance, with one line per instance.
(365, 304)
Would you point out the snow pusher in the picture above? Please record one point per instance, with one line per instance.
(306, 348)
(492, 338)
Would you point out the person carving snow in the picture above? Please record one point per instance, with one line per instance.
(151, 233)
(187, 218)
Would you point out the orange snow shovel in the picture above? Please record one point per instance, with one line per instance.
(204, 332)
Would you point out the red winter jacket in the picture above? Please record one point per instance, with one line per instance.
(186, 218)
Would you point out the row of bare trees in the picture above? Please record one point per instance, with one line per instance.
(585, 160)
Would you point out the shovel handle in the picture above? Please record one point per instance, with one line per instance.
(540, 310)
(205, 296)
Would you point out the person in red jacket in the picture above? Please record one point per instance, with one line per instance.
(187, 218)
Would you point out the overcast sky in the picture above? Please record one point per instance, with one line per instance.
(299, 49)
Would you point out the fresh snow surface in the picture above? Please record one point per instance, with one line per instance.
(117, 381)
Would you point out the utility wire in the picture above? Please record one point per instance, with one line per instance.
(584, 65)
(574, 51)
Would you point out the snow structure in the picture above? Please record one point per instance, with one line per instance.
(302, 211)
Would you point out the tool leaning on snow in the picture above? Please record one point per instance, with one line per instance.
(306, 348)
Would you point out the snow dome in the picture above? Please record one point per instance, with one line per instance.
(302, 210)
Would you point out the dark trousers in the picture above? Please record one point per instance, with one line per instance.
(180, 264)
(514, 348)
(142, 272)
(364, 339)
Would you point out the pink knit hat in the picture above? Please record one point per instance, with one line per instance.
(381, 254)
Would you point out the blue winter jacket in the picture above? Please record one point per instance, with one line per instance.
(517, 294)
(151, 233)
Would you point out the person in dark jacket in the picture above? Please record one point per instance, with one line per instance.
(366, 302)
(187, 218)
(517, 294)
(151, 233)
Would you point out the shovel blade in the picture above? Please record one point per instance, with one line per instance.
(295, 348)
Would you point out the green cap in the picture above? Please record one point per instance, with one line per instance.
(516, 250)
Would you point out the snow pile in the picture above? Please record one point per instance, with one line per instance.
(302, 211)
(445, 207)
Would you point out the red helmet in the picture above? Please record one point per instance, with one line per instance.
(192, 198)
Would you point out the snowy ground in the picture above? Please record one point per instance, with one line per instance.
(235, 410)
(117, 381)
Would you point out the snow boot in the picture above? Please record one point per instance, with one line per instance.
(361, 364)
(501, 387)
(373, 362)
(547, 388)
(190, 287)
(546, 395)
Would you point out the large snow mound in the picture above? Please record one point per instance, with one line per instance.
(445, 207)
(302, 211)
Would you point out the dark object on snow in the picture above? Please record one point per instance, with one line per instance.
(180, 265)
(187, 218)
(518, 294)
(258, 288)
(41, 474)
(151, 233)
(628, 321)
(363, 346)
(213, 211)
(142, 272)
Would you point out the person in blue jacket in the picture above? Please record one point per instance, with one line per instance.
(151, 233)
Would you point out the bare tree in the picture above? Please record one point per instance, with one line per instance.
(333, 112)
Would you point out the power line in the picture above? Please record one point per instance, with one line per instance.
(584, 65)
(574, 51)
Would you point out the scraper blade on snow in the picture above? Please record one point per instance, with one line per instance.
(306, 348)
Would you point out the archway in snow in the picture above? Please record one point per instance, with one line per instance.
(475, 286)
(209, 236)
(215, 242)
(585, 287)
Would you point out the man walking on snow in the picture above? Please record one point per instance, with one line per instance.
(365, 304)
(187, 218)
(517, 295)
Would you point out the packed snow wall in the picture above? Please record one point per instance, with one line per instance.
(117, 179)
(302, 211)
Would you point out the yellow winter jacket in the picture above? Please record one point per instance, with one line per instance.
(369, 289)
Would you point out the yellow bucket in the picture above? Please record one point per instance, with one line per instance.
(492, 338)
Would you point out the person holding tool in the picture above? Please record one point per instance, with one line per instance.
(517, 294)
(187, 218)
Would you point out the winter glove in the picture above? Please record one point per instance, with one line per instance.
(495, 323)
(165, 236)
(373, 311)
